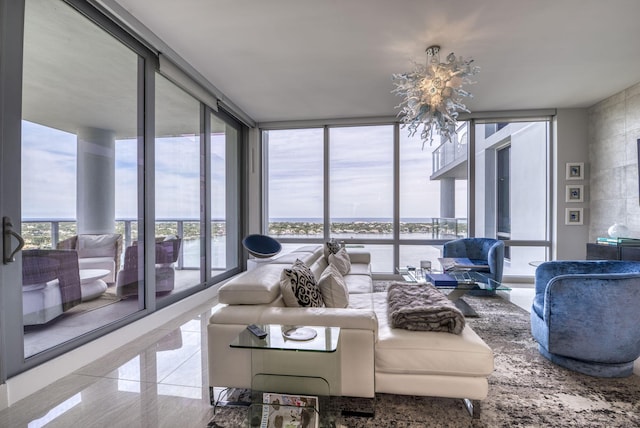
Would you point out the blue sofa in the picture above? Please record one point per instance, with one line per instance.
(586, 315)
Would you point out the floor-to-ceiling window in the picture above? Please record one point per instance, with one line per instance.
(386, 192)
(361, 189)
(224, 195)
(348, 183)
(80, 102)
(92, 185)
(512, 189)
(177, 175)
(295, 182)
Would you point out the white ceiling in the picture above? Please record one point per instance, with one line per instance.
(297, 59)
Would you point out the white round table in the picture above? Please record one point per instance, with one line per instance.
(91, 283)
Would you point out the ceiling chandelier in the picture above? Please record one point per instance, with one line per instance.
(433, 94)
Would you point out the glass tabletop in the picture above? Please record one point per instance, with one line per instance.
(291, 337)
(469, 279)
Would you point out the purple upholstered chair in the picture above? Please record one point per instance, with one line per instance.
(50, 284)
(167, 251)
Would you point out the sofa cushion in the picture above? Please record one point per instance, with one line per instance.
(341, 261)
(427, 352)
(254, 287)
(357, 284)
(333, 288)
(97, 245)
(299, 288)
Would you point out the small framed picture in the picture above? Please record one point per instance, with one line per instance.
(573, 216)
(574, 193)
(575, 171)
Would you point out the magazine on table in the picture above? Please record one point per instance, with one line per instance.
(289, 411)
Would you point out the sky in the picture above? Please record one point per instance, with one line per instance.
(361, 171)
(49, 181)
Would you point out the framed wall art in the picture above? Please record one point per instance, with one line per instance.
(574, 193)
(574, 216)
(575, 171)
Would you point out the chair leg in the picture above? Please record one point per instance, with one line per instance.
(473, 407)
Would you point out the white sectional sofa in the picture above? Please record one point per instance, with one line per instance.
(373, 357)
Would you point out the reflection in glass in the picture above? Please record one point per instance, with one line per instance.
(80, 100)
(177, 168)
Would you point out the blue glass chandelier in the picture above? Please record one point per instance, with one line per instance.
(433, 94)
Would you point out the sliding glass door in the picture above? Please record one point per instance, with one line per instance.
(122, 204)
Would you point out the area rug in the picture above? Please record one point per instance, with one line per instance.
(525, 389)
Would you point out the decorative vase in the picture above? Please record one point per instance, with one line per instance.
(618, 230)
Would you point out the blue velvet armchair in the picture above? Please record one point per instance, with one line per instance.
(482, 251)
(586, 315)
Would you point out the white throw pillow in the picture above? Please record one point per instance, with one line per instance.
(97, 245)
(298, 286)
(341, 260)
(333, 288)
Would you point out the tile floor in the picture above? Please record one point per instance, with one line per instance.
(159, 381)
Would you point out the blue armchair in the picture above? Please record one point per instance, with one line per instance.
(482, 251)
(585, 315)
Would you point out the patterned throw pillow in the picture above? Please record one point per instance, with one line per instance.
(341, 261)
(298, 286)
(333, 288)
(331, 247)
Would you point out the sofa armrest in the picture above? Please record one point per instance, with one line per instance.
(359, 256)
(347, 318)
(232, 367)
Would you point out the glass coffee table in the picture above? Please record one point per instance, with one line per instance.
(463, 282)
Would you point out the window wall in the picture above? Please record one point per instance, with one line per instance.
(369, 186)
(112, 155)
(377, 188)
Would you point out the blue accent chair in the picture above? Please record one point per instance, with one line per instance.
(481, 251)
(585, 315)
(261, 246)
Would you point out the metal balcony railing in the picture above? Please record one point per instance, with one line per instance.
(46, 232)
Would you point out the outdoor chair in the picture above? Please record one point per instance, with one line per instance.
(50, 284)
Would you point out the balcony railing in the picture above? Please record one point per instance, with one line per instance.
(448, 153)
(46, 233)
(428, 228)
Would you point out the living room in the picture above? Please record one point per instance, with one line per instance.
(275, 87)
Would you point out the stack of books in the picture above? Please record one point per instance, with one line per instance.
(631, 242)
(441, 280)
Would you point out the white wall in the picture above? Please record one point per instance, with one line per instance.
(570, 136)
(613, 132)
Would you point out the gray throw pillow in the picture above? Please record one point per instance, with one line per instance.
(333, 288)
(341, 260)
(298, 286)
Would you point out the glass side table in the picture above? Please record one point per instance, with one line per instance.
(294, 372)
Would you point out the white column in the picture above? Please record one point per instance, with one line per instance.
(95, 204)
(447, 197)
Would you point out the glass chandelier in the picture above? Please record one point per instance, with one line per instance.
(433, 94)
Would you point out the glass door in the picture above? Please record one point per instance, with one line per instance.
(76, 200)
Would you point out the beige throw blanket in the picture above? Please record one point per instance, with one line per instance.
(422, 307)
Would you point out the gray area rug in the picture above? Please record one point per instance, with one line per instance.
(525, 390)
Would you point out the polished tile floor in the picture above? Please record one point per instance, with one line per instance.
(159, 381)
